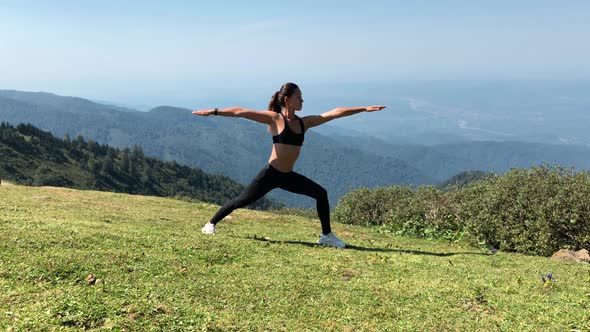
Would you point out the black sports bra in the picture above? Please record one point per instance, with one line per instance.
(287, 136)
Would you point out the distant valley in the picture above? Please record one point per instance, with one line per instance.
(441, 112)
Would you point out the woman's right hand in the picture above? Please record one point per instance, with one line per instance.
(374, 108)
(204, 112)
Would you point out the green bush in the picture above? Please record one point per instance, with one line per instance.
(533, 211)
(425, 212)
(441, 214)
(46, 177)
(371, 207)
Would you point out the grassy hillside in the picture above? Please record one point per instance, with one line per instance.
(261, 272)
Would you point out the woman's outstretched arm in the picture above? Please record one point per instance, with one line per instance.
(266, 117)
(316, 120)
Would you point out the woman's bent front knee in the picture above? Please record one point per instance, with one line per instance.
(321, 194)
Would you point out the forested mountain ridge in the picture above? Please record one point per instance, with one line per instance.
(31, 156)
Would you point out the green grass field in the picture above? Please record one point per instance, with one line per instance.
(261, 272)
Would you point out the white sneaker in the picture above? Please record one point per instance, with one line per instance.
(331, 240)
(209, 228)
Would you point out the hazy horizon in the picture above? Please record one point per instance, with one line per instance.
(249, 96)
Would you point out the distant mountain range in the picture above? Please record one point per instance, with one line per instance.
(339, 159)
(233, 147)
(446, 160)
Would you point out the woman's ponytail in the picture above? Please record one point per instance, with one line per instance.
(274, 104)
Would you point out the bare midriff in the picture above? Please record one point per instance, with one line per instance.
(284, 156)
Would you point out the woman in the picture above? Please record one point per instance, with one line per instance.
(287, 130)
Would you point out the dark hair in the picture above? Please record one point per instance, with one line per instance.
(277, 101)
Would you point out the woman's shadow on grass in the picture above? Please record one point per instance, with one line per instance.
(368, 249)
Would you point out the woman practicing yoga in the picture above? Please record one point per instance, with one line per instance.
(287, 130)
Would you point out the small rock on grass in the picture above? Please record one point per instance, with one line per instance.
(583, 255)
(90, 280)
(572, 256)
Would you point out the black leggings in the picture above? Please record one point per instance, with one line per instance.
(270, 178)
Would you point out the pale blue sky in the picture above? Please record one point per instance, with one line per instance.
(160, 52)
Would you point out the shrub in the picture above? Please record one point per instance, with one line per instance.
(44, 176)
(371, 207)
(532, 211)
